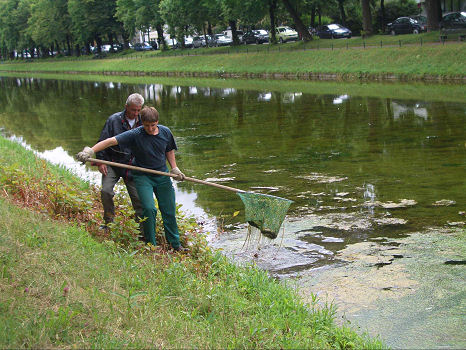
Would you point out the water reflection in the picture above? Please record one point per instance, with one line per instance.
(310, 148)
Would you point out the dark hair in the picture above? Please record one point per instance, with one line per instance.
(149, 115)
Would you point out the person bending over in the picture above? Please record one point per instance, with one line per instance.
(152, 145)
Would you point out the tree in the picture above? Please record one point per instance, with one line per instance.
(366, 17)
(300, 27)
(48, 24)
(434, 14)
(94, 20)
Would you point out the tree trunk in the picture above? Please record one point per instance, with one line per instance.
(366, 17)
(382, 14)
(313, 17)
(272, 8)
(433, 14)
(342, 12)
(234, 34)
(110, 39)
(160, 39)
(68, 45)
(300, 27)
(98, 43)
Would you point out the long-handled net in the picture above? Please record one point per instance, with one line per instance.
(265, 212)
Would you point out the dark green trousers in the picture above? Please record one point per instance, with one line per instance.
(162, 187)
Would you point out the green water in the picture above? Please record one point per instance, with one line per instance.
(301, 146)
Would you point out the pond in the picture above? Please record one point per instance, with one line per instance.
(364, 163)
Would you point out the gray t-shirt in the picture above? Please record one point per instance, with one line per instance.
(148, 150)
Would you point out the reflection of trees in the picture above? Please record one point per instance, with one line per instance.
(242, 134)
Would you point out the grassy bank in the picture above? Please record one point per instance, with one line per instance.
(406, 62)
(62, 287)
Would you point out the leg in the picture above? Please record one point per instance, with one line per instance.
(137, 206)
(145, 191)
(107, 194)
(165, 195)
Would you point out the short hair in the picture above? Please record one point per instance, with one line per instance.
(135, 99)
(149, 115)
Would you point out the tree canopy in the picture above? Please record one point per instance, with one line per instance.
(48, 27)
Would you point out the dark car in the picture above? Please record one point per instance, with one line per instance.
(334, 31)
(404, 25)
(256, 36)
(454, 22)
(142, 47)
(422, 20)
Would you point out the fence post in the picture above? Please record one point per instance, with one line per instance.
(399, 41)
(347, 46)
(364, 44)
(332, 46)
(381, 43)
(421, 41)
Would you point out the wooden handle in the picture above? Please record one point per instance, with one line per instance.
(156, 172)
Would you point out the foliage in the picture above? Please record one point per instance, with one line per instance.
(44, 25)
(65, 199)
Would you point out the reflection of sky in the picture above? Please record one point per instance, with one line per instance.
(289, 97)
(399, 110)
(339, 100)
(59, 156)
(267, 96)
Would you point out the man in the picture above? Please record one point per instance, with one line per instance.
(117, 124)
(152, 146)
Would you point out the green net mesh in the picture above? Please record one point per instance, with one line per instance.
(265, 212)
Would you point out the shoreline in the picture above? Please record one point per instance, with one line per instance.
(306, 76)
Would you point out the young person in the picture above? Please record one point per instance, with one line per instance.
(152, 145)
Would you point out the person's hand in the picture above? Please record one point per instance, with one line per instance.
(179, 175)
(85, 154)
(103, 169)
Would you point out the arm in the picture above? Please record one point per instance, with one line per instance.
(172, 161)
(100, 146)
(171, 158)
(88, 152)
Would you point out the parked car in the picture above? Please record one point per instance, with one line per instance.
(334, 31)
(454, 22)
(142, 47)
(220, 40)
(284, 34)
(256, 36)
(229, 34)
(171, 43)
(404, 25)
(188, 43)
(199, 41)
(422, 20)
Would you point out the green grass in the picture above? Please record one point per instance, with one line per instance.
(61, 288)
(411, 60)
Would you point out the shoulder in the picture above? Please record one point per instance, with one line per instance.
(164, 130)
(118, 116)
